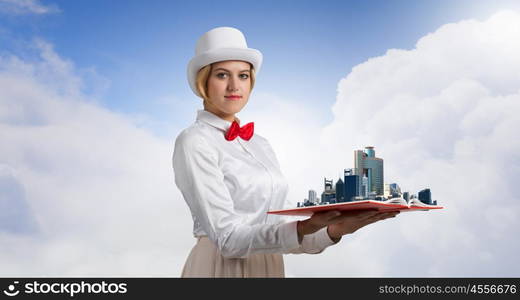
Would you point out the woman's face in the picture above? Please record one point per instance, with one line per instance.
(229, 86)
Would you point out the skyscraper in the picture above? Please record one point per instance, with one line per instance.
(364, 187)
(367, 164)
(340, 191)
(329, 193)
(406, 196)
(312, 196)
(425, 196)
(352, 185)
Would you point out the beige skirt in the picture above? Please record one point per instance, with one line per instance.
(205, 260)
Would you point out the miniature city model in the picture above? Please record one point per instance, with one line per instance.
(365, 182)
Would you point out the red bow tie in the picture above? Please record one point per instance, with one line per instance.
(245, 132)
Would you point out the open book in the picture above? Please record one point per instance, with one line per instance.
(393, 204)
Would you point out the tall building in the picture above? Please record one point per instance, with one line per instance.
(352, 185)
(387, 192)
(340, 191)
(425, 196)
(364, 187)
(312, 196)
(406, 196)
(367, 164)
(329, 193)
(327, 184)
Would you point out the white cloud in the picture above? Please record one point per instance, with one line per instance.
(20, 7)
(84, 190)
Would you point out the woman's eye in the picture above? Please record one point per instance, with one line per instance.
(224, 75)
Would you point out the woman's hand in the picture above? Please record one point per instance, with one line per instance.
(351, 221)
(340, 223)
(316, 222)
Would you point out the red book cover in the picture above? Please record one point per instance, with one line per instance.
(389, 205)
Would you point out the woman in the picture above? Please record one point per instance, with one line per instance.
(229, 176)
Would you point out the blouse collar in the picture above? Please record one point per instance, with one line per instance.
(214, 120)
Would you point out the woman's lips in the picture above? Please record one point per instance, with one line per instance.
(233, 97)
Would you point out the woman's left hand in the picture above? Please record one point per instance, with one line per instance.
(350, 222)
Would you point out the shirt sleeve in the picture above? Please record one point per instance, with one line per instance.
(314, 243)
(201, 182)
(311, 243)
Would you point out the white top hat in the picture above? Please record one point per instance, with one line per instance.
(220, 44)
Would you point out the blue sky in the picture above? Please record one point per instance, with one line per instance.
(142, 47)
(94, 93)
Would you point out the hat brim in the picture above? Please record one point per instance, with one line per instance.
(250, 55)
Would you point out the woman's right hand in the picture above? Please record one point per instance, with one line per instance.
(351, 221)
(316, 222)
(339, 223)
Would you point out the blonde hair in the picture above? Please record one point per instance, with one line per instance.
(201, 81)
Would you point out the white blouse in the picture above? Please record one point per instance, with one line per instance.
(230, 185)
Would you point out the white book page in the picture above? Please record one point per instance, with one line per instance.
(399, 201)
(417, 202)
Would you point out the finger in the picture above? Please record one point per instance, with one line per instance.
(331, 214)
(360, 214)
(355, 216)
(362, 217)
(380, 216)
(370, 215)
(387, 215)
(392, 214)
(326, 217)
(371, 220)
